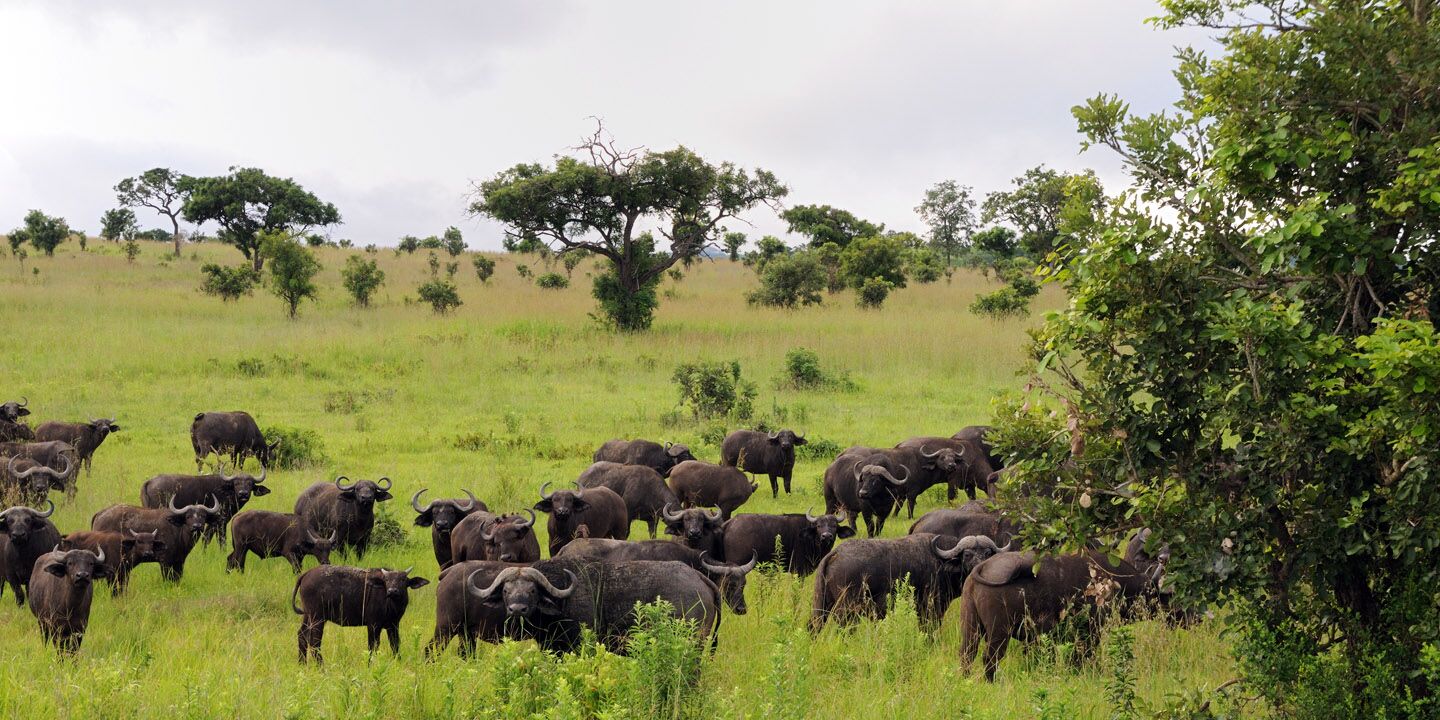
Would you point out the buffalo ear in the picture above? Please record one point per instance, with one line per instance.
(55, 568)
(260, 490)
(22, 412)
(545, 506)
(347, 495)
(417, 582)
(4, 526)
(674, 528)
(101, 570)
(774, 440)
(383, 495)
(114, 427)
(845, 531)
(801, 441)
(425, 519)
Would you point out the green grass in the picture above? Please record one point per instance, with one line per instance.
(391, 389)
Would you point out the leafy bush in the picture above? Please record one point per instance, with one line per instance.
(299, 448)
(874, 257)
(622, 309)
(362, 278)
(715, 389)
(666, 661)
(484, 267)
(523, 271)
(818, 448)
(788, 281)
(803, 371)
(925, 266)
(440, 294)
(292, 269)
(1003, 303)
(132, 250)
(552, 281)
(873, 292)
(388, 530)
(227, 283)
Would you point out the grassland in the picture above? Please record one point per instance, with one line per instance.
(535, 385)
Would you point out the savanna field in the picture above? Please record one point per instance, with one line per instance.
(515, 388)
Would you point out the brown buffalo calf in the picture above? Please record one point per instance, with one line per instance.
(351, 597)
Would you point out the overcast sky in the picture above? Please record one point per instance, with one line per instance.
(391, 109)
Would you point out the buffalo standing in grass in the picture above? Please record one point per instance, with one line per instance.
(177, 529)
(441, 516)
(1011, 596)
(553, 600)
(976, 434)
(348, 510)
(982, 465)
(932, 461)
(697, 528)
(232, 492)
(375, 598)
(644, 490)
(729, 578)
(61, 588)
(85, 437)
(272, 534)
(501, 538)
(856, 579)
(863, 482)
(235, 433)
(764, 453)
(964, 522)
(123, 552)
(33, 481)
(458, 615)
(803, 539)
(12, 428)
(53, 454)
(660, 458)
(25, 534)
(599, 510)
(700, 484)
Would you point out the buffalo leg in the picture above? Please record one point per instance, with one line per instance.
(172, 572)
(970, 634)
(786, 478)
(994, 652)
(652, 523)
(312, 632)
(297, 562)
(393, 632)
(774, 487)
(120, 582)
(69, 642)
(236, 560)
(372, 638)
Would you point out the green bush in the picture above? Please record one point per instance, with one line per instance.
(873, 293)
(362, 278)
(298, 448)
(925, 266)
(715, 389)
(388, 530)
(440, 294)
(552, 281)
(666, 661)
(802, 368)
(622, 309)
(788, 281)
(226, 283)
(1003, 303)
(484, 267)
(869, 258)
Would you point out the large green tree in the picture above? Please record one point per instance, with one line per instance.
(826, 224)
(118, 224)
(43, 232)
(247, 203)
(949, 210)
(160, 189)
(1248, 362)
(1046, 207)
(600, 198)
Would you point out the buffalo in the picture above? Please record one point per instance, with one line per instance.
(764, 453)
(12, 428)
(699, 529)
(501, 538)
(644, 490)
(1013, 596)
(350, 597)
(857, 577)
(51, 453)
(728, 577)
(85, 437)
(232, 492)
(803, 539)
(441, 516)
(700, 484)
(457, 614)
(964, 522)
(599, 509)
(981, 463)
(976, 434)
(177, 529)
(348, 510)
(33, 481)
(272, 534)
(61, 588)
(25, 534)
(660, 458)
(863, 483)
(235, 433)
(123, 550)
(934, 461)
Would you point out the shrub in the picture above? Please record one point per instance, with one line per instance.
(818, 448)
(1003, 303)
(788, 281)
(552, 281)
(227, 283)
(442, 295)
(713, 389)
(292, 270)
(434, 263)
(132, 250)
(873, 257)
(622, 308)
(925, 266)
(666, 660)
(484, 267)
(388, 531)
(873, 292)
(298, 448)
(523, 271)
(362, 278)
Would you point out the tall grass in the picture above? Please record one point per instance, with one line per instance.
(514, 388)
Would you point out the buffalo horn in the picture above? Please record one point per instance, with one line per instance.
(669, 516)
(930, 455)
(473, 502)
(384, 484)
(415, 501)
(48, 512)
(544, 582)
(544, 495)
(340, 480)
(100, 558)
(964, 544)
(809, 517)
(714, 515)
(522, 524)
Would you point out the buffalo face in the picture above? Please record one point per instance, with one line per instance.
(267, 453)
(80, 566)
(143, 547)
(874, 480)
(524, 592)
(18, 522)
(561, 504)
(318, 547)
(692, 525)
(194, 517)
(677, 453)
(786, 440)
(395, 584)
(508, 538)
(13, 411)
(828, 528)
(364, 493)
(969, 552)
(443, 515)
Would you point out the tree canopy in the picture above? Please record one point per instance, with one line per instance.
(118, 224)
(1045, 207)
(949, 210)
(826, 224)
(247, 203)
(160, 189)
(43, 232)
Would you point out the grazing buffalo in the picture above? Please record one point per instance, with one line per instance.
(51, 453)
(697, 528)
(600, 510)
(644, 490)
(457, 614)
(554, 600)
(33, 481)
(12, 428)
(231, 491)
(25, 534)
(85, 437)
(856, 579)
(803, 539)
(441, 516)
(235, 433)
(61, 588)
(500, 538)
(764, 453)
(350, 597)
(962, 522)
(348, 510)
(177, 529)
(863, 482)
(700, 484)
(660, 458)
(123, 550)
(1011, 596)
(729, 578)
(272, 534)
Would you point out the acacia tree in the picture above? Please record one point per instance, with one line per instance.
(42, 231)
(598, 199)
(826, 224)
(1248, 363)
(949, 210)
(1046, 207)
(160, 189)
(248, 203)
(734, 241)
(117, 224)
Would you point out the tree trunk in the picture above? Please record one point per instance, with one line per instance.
(176, 235)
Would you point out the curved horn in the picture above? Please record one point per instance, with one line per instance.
(264, 473)
(175, 510)
(311, 534)
(18, 474)
(891, 478)
(386, 483)
(950, 554)
(773, 435)
(754, 558)
(714, 515)
(48, 512)
(544, 495)
(808, 516)
(1007, 545)
(544, 582)
(334, 535)
(64, 472)
(100, 558)
(220, 470)
(858, 470)
(408, 569)
(415, 501)
(521, 525)
(841, 516)
(473, 502)
(500, 579)
(24, 401)
(669, 516)
(214, 507)
(930, 455)
(338, 483)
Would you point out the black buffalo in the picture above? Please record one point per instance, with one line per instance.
(863, 482)
(599, 510)
(235, 433)
(61, 588)
(232, 492)
(348, 510)
(501, 538)
(12, 428)
(85, 437)
(659, 457)
(964, 522)
(25, 534)
(697, 528)
(458, 615)
(976, 434)
(640, 486)
(981, 465)
(763, 453)
(51, 453)
(932, 461)
(272, 534)
(177, 529)
(855, 580)
(123, 551)
(441, 516)
(803, 539)
(730, 578)
(701, 484)
(350, 597)
(33, 481)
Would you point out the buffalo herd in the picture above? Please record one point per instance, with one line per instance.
(495, 583)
